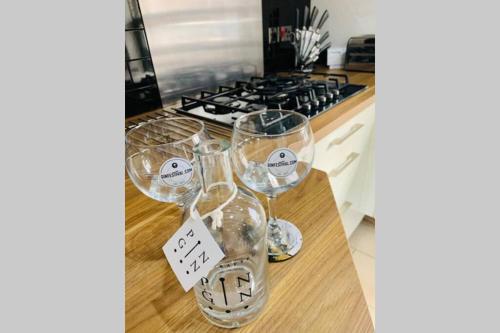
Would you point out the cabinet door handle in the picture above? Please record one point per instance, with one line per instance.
(337, 171)
(339, 141)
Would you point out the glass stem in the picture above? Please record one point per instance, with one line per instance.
(270, 208)
(275, 236)
(181, 211)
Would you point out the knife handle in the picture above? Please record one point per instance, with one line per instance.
(324, 37)
(310, 61)
(325, 47)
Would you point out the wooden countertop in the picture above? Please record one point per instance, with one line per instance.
(316, 291)
(321, 125)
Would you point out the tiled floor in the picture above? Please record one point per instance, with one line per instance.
(362, 243)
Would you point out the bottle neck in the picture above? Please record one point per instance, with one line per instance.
(214, 166)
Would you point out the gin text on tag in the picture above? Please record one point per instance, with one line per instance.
(192, 252)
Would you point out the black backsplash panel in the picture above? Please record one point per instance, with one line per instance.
(141, 89)
(280, 16)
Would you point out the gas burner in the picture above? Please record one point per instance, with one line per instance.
(256, 107)
(278, 100)
(253, 97)
(222, 99)
(210, 108)
(235, 104)
(274, 85)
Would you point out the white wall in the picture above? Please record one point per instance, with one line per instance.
(348, 18)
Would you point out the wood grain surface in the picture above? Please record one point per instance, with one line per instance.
(316, 291)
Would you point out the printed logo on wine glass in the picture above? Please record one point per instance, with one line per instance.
(176, 172)
(282, 162)
(230, 288)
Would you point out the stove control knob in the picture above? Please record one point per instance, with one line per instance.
(329, 95)
(336, 92)
(306, 106)
(322, 99)
(315, 102)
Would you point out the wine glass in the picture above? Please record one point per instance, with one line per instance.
(160, 159)
(273, 151)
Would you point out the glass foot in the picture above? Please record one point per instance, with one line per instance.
(284, 240)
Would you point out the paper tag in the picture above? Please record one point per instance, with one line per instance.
(192, 252)
(176, 172)
(282, 162)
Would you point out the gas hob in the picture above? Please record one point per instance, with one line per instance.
(296, 92)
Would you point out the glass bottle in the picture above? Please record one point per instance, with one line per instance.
(235, 291)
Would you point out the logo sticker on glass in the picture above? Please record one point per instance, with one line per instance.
(282, 162)
(176, 172)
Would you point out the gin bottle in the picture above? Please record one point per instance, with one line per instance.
(235, 291)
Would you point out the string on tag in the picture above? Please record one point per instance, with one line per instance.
(216, 215)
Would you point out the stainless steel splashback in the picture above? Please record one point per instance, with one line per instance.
(199, 44)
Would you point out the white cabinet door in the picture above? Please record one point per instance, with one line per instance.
(347, 156)
(362, 190)
(332, 150)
